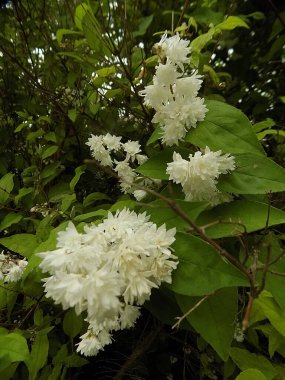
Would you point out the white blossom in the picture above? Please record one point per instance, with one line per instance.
(108, 271)
(173, 48)
(112, 142)
(199, 175)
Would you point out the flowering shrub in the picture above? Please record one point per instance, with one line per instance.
(140, 217)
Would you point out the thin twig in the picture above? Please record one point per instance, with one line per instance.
(180, 319)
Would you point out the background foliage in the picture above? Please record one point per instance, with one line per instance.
(71, 68)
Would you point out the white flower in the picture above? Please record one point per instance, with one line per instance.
(91, 343)
(199, 175)
(174, 49)
(139, 194)
(98, 151)
(112, 142)
(166, 75)
(131, 148)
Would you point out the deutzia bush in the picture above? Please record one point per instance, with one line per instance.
(108, 272)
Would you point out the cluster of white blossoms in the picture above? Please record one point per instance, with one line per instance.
(104, 147)
(108, 272)
(11, 268)
(173, 95)
(199, 175)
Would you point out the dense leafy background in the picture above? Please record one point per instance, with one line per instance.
(71, 68)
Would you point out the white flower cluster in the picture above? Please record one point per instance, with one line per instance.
(172, 95)
(108, 271)
(199, 175)
(11, 269)
(104, 145)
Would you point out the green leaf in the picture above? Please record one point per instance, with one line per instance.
(161, 213)
(6, 186)
(72, 323)
(277, 132)
(214, 319)
(67, 201)
(90, 215)
(24, 244)
(201, 270)
(62, 32)
(272, 311)
(246, 360)
(106, 71)
(143, 25)
(155, 135)
(39, 355)
(201, 41)
(251, 215)
(254, 174)
(72, 114)
(231, 23)
(10, 219)
(80, 12)
(93, 197)
(22, 193)
(226, 128)
(276, 341)
(13, 347)
(265, 124)
(49, 151)
(78, 173)
(251, 374)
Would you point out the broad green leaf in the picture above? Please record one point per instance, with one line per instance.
(225, 128)
(251, 374)
(143, 25)
(24, 244)
(13, 347)
(93, 197)
(78, 173)
(214, 319)
(72, 323)
(246, 360)
(161, 213)
(62, 32)
(49, 151)
(201, 270)
(231, 23)
(10, 219)
(201, 41)
(254, 174)
(39, 355)
(237, 215)
(272, 311)
(6, 186)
